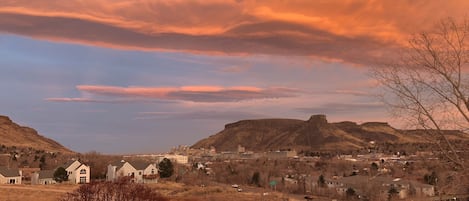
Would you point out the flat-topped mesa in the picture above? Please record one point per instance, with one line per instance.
(313, 134)
(371, 124)
(318, 119)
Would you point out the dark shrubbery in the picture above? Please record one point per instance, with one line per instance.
(166, 168)
(122, 190)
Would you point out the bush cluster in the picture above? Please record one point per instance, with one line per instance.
(122, 190)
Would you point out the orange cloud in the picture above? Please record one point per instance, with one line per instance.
(359, 32)
(184, 93)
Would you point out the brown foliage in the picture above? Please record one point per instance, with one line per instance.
(122, 190)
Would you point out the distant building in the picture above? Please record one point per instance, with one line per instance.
(181, 159)
(281, 154)
(404, 187)
(241, 149)
(10, 176)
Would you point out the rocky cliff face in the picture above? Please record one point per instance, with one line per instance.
(316, 133)
(12, 134)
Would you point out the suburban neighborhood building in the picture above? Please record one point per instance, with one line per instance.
(10, 176)
(78, 173)
(43, 177)
(139, 172)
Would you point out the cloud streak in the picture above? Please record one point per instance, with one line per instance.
(201, 115)
(207, 94)
(341, 108)
(356, 32)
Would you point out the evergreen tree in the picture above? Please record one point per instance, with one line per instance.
(321, 181)
(60, 175)
(431, 179)
(256, 177)
(350, 193)
(166, 168)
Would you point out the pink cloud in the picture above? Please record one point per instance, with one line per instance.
(355, 32)
(70, 100)
(183, 93)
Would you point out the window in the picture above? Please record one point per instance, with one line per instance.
(82, 180)
(12, 181)
(140, 173)
(152, 171)
(83, 171)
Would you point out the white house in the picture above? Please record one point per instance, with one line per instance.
(139, 172)
(146, 172)
(10, 176)
(43, 177)
(78, 173)
(119, 169)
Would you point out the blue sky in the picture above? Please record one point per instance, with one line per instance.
(124, 76)
(37, 70)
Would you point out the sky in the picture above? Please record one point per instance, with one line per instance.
(126, 76)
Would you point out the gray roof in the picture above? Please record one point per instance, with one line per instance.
(67, 164)
(139, 165)
(7, 172)
(118, 164)
(46, 174)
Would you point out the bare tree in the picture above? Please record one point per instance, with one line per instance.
(429, 85)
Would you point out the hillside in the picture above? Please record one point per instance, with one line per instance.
(314, 134)
(13, 134)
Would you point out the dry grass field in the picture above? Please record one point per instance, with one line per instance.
(174, 191)
(34, 192)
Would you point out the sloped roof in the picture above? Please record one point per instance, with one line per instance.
(68, 163)
(46, 174)
(139, 165)
(7, 172)
(118, 164)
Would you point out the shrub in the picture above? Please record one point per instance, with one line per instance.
(122, 190)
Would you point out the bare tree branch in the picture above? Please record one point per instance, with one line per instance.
(430, 84)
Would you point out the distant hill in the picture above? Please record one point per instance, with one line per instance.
(314, 134)
(12, 134)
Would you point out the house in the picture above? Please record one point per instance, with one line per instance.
(43, 177)
(119, 169)
(10, 176)
(146, 172)
(78, 173)
(139, 172)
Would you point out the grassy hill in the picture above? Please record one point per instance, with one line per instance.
(14, 135)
